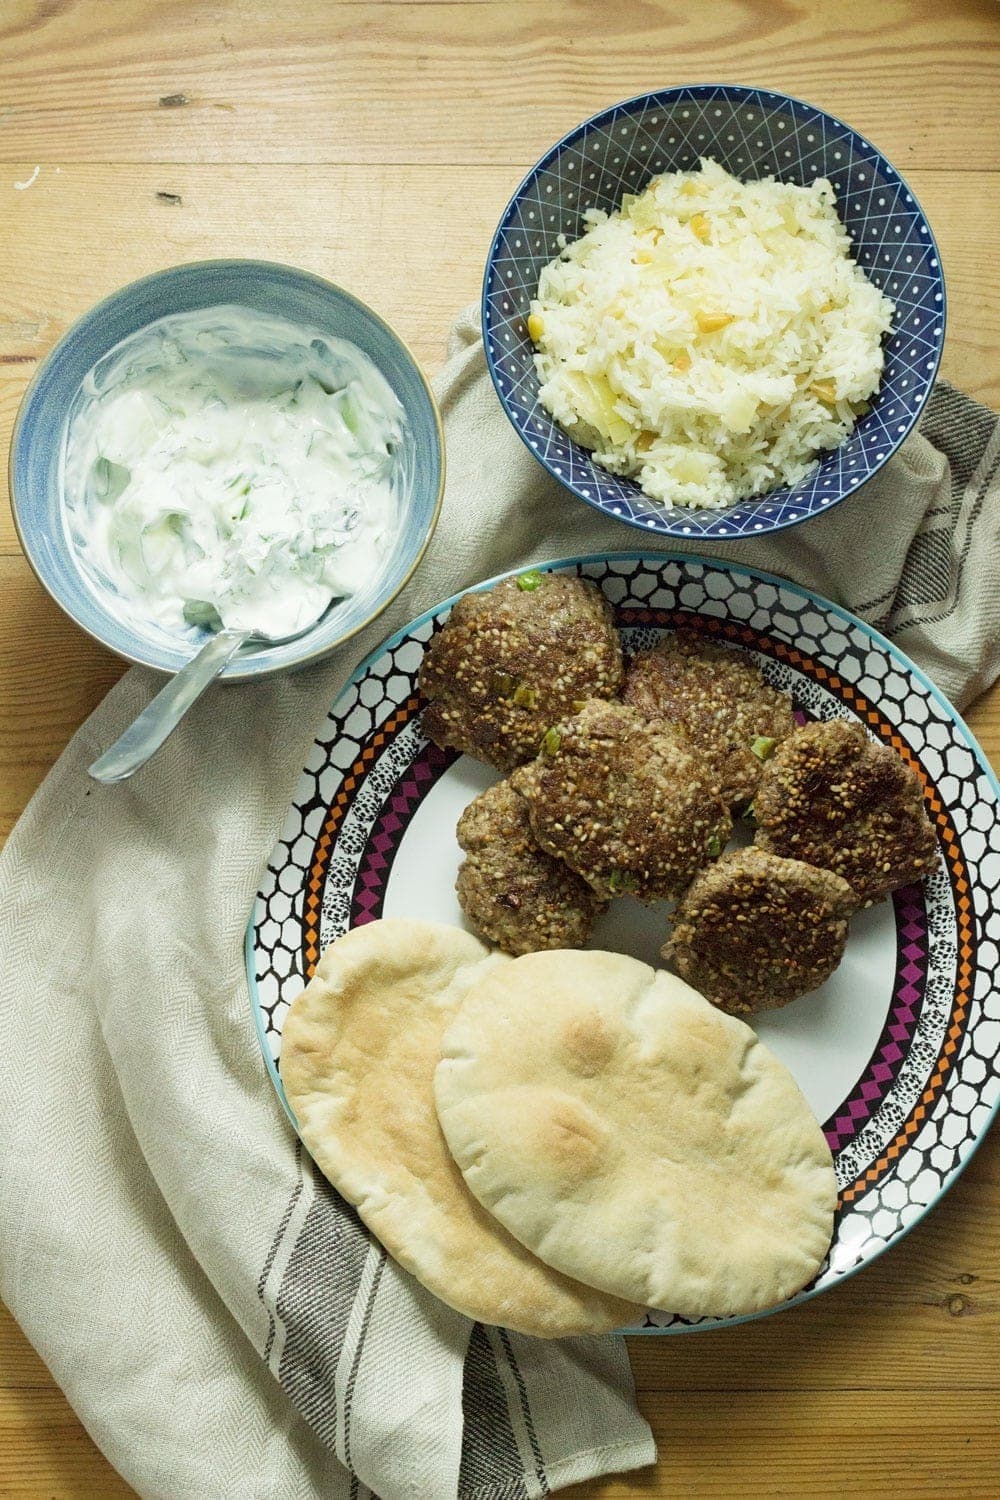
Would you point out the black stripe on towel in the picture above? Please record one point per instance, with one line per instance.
(529, 1421)
(960, 428)
(314, 1303)
(352, 1378)
(982, 494)
(491, 1467)
(927, 573)
(279, 1236)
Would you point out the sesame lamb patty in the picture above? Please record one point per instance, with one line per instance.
(722, 701)
(513, 893)
(835, 798)
(754, 931)
(511, 661)
(627, 804)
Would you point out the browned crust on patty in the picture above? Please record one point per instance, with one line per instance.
(833, 797)
(512, 892)
(720, 698)
(627, 805)
(510, 662)
(755, 931)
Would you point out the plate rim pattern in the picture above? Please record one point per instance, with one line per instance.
(403, 713)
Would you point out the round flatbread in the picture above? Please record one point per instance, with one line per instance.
(635, 1137)
(358, 1051)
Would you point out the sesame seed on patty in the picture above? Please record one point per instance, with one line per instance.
(512, 660)
(755, 931)
(511, 891)
(630, 806)
(720, 699)
(835, 798)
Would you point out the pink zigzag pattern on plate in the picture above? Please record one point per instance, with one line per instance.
(911, 976)
(392, 821)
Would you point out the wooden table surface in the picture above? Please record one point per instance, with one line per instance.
(376, 144)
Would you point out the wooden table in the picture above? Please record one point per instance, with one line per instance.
(377, 144)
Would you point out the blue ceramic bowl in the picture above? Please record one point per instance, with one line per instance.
(36, 450)
(752, 133)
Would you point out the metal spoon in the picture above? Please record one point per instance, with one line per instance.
(160, 718)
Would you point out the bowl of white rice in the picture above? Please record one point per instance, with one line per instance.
(713, 311)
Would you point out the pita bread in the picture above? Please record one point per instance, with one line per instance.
(358, 1051)
(635, 1137)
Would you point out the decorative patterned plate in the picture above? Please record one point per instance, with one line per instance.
(753, 133)
(897, 1053)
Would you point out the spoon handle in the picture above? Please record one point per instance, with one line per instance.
(147, 732)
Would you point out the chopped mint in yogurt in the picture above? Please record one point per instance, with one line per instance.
(229, 468)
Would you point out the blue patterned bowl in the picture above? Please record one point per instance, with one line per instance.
(36, 451)
(752, 133)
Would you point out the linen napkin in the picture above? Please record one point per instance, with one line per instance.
(219, 1319)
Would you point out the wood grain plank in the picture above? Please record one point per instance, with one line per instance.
(788, 1442)
(46, 1453)
(897, 1368)
(51, 677)
(983, 718)
(344, 222)
(797, 1443)
(20, 1364)
(404, 83)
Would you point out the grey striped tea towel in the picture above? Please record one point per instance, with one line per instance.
(221, 1322)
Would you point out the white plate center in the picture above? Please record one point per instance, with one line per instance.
(826, 1038)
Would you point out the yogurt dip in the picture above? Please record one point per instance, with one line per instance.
(227, 468)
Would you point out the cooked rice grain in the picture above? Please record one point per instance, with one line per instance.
(710, 338)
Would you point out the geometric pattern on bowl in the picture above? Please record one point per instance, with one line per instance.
(753, 133)
(911, 1113)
